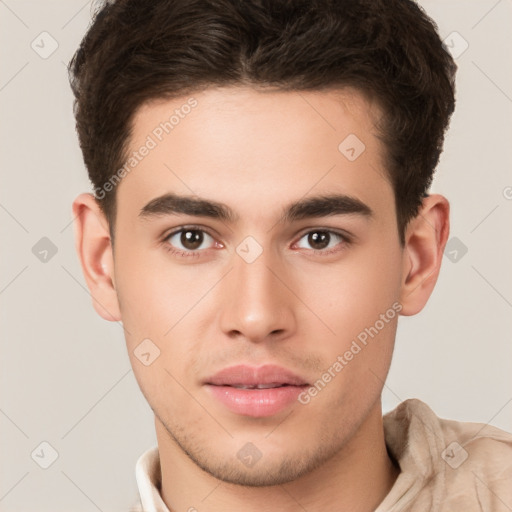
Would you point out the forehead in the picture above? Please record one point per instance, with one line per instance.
(239, 146)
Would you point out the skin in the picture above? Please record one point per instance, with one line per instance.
(257, 152)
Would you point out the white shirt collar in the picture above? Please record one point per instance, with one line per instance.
(149, 482)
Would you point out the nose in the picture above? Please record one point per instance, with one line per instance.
(257, 303)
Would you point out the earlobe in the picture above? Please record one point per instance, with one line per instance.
(425, 240)
(94, 249)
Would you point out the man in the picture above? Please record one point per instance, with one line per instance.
(260, 220)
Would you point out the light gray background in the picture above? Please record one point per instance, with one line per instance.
(65, 375)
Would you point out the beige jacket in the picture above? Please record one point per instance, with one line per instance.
(446, 466)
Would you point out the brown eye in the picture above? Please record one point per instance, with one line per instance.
(188, 239)
(319, 240)
(191, 239)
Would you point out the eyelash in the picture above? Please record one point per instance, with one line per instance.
(346, 241)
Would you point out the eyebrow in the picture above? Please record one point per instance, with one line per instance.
(312, 207)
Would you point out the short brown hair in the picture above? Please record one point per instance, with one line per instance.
(136, 51)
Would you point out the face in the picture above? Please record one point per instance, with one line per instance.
(282, 269)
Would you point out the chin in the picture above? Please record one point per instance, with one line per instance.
(264, 476)
(261, 470)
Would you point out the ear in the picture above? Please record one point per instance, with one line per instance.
(94, 248)
(425, 239)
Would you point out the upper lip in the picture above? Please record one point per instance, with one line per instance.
(244, 375)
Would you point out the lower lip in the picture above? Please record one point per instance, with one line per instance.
(257, 403)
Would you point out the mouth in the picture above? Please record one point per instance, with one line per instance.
(267, 376)
(257, 386)
(256, 391)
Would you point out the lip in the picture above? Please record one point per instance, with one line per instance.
(252, 401)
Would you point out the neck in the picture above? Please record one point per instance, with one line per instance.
(356, 479)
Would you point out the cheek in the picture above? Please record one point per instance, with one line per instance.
(352, 294)
(154, 294)
(163, 303)
(358, 300)
(157, 306)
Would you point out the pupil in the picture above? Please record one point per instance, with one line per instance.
(191, 239)
(319, 239)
